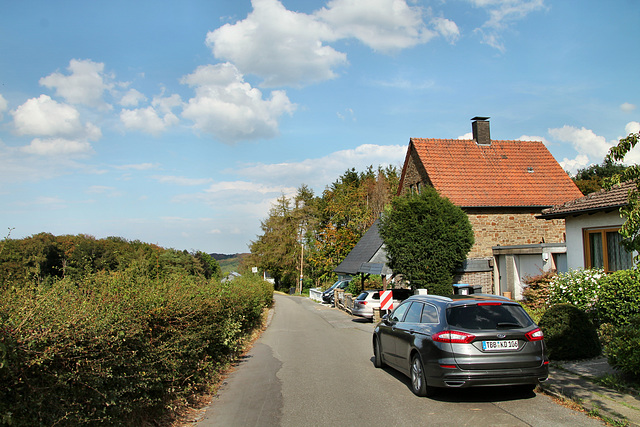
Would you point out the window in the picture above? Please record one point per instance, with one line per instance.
(429, 314)
(603, 249)
(414, 314)
(487, 316)
(398, 314)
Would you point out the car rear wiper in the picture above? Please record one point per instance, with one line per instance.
(509, 325)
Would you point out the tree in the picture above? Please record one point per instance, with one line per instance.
(426, 237)
(630, 230)
(591, 179)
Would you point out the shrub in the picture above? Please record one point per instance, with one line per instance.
(577, 287)
(118, 348)
(536, 293)
(623, 348)
(568, 333)
(618, 297)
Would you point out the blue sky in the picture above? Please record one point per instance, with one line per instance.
(180, 123)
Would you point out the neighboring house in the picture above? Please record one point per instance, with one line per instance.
(502, 186)
(592, 223)
(368, 256)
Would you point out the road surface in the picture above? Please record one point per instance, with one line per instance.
(313, 366)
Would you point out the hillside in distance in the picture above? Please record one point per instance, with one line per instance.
(229, 262)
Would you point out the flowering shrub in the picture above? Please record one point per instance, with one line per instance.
(618, 297)
(577, 287)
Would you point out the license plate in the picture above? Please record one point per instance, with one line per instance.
(500, 345)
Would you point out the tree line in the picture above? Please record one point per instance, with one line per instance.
(44, 258)
(308, 235)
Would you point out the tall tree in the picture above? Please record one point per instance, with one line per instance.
(591, 179)
(427, 237)
(630, 230)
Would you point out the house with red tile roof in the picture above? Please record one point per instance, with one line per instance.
(502, 186)
(592, 223)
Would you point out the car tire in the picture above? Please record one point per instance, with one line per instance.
(377, 354)
(418, 379)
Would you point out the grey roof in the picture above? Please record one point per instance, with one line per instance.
(599, 201)
(367, 256)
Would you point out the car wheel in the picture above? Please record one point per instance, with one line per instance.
(377, 354)
(418, 379)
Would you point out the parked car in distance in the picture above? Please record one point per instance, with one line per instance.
(327, 296)
(364, 304)
(461, 341)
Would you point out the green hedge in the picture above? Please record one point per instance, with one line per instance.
(568, 333)
(618, 297)
(117, 348)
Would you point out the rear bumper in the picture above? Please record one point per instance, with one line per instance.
(456, 378)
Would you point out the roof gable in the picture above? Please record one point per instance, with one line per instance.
(502, 174)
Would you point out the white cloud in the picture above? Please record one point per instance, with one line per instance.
(132, 98)
(180, 180)
(147, 120)
(139, 166)
(584, 141)
(85, 85)
(627, 107)
(632, 127)
(534, 138)
(44, 116)
(166, 104)
(502, 14)
(229, 108)
(59, 123)
(446, 28)
(319, 172)
(4, 106)
(280, 46)
(383, 25)
(572, 165)
(466, 136)
(58, 147)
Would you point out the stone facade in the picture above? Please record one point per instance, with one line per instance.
(477, 278)
(511, 226)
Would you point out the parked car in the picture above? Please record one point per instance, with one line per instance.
(328, 295)
(461, 341)
(364, 304)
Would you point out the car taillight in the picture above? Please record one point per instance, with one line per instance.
(535, 335)
(362, 302)
(489, 303)
(453, 337)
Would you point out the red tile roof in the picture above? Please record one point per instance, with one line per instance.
(503, 174)
(602, 200)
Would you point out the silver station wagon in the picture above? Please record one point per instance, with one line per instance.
(461, 341)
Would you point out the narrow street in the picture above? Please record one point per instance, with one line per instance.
(313, 367)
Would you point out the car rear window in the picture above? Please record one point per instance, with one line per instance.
(362, 296)
(488, 316)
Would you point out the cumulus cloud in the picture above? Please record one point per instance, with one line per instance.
(280, 46)
(147, 120)
(229, 108)
(85, 85)
(584, 141)
(60, 124)
(132, 98)
(383, 25)
(534, 138)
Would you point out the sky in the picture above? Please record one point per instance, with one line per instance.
(179, 123)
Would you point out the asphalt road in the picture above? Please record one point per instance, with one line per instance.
(313, 366)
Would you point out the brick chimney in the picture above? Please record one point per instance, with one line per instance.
(481, 133)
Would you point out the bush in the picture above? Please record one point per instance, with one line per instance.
(623, 348)
(577, 287)
(568, 333)
(536, 293)
(118, 348)
(618, 297)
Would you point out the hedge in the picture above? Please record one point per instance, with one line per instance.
(117, 348)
